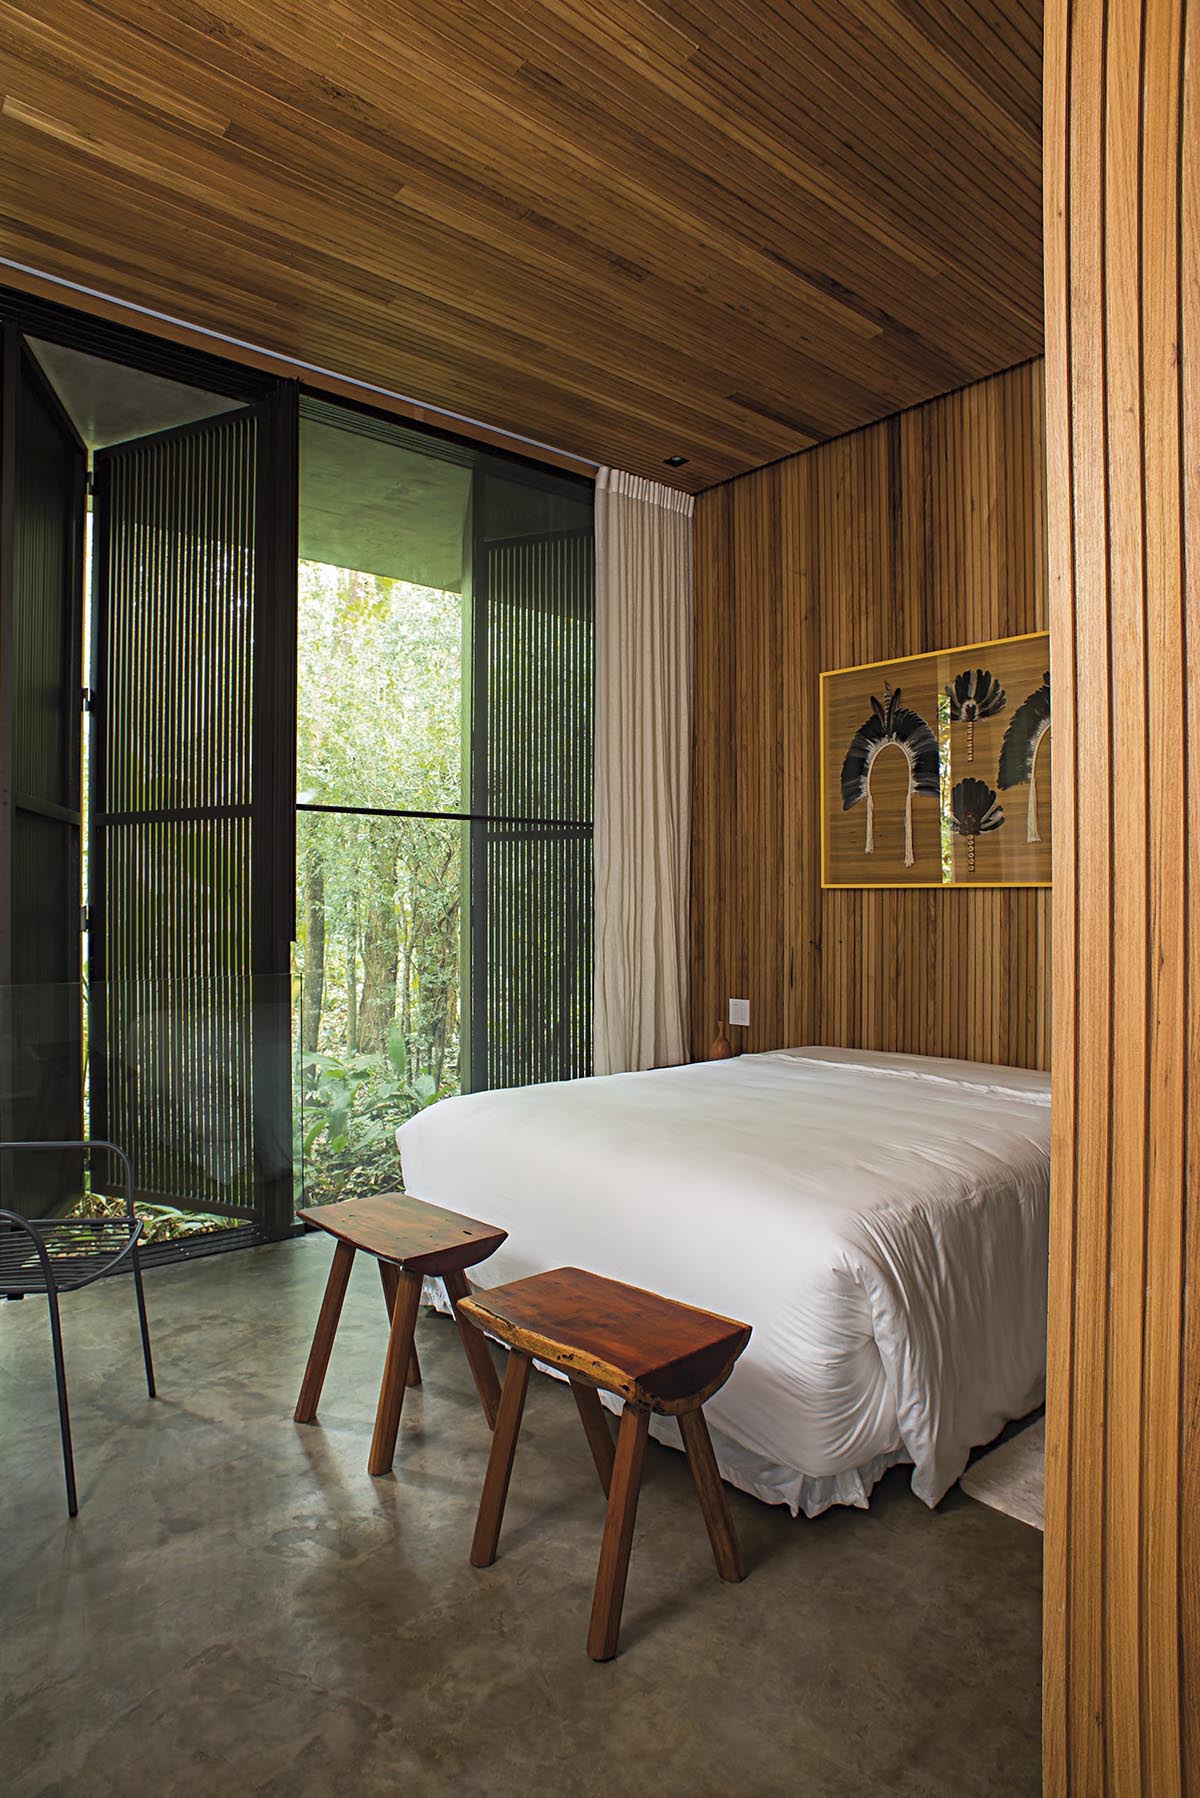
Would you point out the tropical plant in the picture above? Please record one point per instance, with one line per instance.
(351, 1108)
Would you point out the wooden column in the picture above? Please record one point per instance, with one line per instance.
(1122, 125)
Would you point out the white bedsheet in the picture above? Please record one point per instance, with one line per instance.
(880, 1220)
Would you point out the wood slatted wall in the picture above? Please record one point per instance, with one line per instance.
(924, 531)
(1123, 405)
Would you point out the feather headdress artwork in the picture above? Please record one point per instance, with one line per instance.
(974, 694)
(890, 724)
(973, 810)
(1019, 750)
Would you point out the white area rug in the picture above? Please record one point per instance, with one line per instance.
(1012, 1478)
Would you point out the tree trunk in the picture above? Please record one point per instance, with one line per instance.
(314, 950)
(352, 981)
(381, 945)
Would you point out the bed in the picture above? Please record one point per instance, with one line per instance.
(881, 1221)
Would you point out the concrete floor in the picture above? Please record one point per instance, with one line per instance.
(239, 1609)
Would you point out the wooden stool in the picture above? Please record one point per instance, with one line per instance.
(409, 1239)
(659, 1356)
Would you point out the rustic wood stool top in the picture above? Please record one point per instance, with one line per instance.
(655, 1353)
(409, 1240)
(395, 1226)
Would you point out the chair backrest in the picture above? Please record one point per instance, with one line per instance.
(48, 1180)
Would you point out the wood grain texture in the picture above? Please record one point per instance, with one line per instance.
(479, 1356)
(655, 1352)
(604, 1628)
(396, 1368)
(595, 1428)
(322, 1343)
(496, 1480)
(1123, 414)
(920, 532)
(718, 228)
(714, 1501)
(424, 1238)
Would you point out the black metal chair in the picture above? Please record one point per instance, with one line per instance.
(53, 1255)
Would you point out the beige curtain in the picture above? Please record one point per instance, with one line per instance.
(643, 771)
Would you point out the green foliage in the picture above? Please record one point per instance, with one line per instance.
(351, 1109)
(160, 1223)
(380, 898)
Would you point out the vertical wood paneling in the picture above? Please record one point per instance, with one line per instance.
(1122, 1561)
(1189, 353)
(918, 533)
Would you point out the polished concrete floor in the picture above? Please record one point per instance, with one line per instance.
(239, 1609)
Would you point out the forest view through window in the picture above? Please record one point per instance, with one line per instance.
(444, 876)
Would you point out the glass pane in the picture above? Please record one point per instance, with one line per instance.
(528, 505)
(383, 534)
(204, 1134)
(378, 1024)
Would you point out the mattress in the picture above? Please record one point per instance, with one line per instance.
(880, 1220)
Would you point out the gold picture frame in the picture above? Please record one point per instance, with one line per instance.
(935, 768)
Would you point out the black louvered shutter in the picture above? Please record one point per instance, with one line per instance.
(43, 473)
(192, 841)
(531, 864)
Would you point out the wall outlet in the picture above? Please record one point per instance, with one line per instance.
(739, 1011)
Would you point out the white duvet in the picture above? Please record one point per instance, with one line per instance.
(880, 1220)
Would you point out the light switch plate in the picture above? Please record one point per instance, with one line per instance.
(739, 1011)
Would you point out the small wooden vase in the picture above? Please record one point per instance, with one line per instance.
(722, 1048)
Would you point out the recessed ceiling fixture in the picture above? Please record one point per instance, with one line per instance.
(674, 461)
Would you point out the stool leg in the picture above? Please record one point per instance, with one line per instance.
(500, 1460)
(595, 1428)
(323, 1335)
(475, 1343)
(389, 1275)
(618, 1534)
(713, 1502)
(395, 1373)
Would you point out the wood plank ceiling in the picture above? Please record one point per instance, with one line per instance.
(722, 229)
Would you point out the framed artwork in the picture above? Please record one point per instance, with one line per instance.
(935, 769)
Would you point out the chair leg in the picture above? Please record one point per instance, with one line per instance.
(395, 1374)
(64, 1416)
(595, 1428)
(323, 1335)
(605, 1627)
(500, 1460)
(389, 1274)
(144, 1324)
(711, 1492)
(475, 1343)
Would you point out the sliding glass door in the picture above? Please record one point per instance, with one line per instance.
(338, 693)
